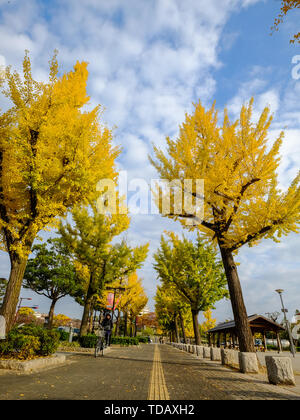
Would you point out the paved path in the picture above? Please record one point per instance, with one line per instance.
(148, 372)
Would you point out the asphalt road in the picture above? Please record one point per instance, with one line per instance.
(147, 372)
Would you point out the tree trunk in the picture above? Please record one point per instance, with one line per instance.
(51, 314)
(125, 323)
(135, 328)
(10, 301)
(88, 307)
(86, 315)
(238, 306)
(182, 327)
(196, 327)
(117, 324)
(176, 329)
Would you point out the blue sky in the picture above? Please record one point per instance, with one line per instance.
(149, 60)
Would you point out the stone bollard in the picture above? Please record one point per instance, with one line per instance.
(206, 352)
(230, 357)
(199, 350)
(248, 362)
(280, 370)
(2, 328)
(215, 354)
(194, 349)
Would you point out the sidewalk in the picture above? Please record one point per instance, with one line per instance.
(145, 372)
(227, 382)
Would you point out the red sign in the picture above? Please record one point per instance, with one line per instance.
(110, 301)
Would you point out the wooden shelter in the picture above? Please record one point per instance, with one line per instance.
(258, 324)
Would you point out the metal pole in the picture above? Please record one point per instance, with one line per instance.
(287, 324)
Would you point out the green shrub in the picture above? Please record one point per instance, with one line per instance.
(29, 341)
(63, 335)
(88, 341)
(125, 341)
(142, 339)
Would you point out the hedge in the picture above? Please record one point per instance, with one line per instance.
(143, 339)
(88, 341)
(125, 341)
(28, 342)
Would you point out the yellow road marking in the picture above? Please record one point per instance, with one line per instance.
(157, 388)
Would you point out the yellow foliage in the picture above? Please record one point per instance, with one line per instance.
(242, 200)
(209, 322)
(52, 152)
(61, 319)
(286, 6)
(25, 311)
(133, 299)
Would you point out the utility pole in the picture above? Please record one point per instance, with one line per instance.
(287, 324)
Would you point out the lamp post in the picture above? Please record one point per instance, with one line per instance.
(287, 324)
(20, 303)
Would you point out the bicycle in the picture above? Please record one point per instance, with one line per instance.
(99, 348)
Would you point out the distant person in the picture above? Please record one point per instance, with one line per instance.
(107, 325)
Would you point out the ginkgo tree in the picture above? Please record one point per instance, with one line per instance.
(53, 152)
(99, 262)
(242, 200)
(195, 273)
(171, 310)
(132, 300)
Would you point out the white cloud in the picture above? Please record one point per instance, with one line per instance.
(148, 62)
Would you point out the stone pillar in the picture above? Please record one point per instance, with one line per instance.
(2, 328)
(230, 358)
(200, 351)
(215, 354)
(248, 362)
(206, 352)
(280, 370)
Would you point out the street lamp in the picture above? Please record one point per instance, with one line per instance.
(20, 303)
(287, 324)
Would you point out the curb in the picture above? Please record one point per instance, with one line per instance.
(33, 365)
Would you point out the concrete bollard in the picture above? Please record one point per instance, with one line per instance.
(230, 358)
(206, 352)
(215, 354)
(248, 362)
(199, 350)
(280, 370)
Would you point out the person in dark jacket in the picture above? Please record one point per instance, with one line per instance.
(107, 325)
